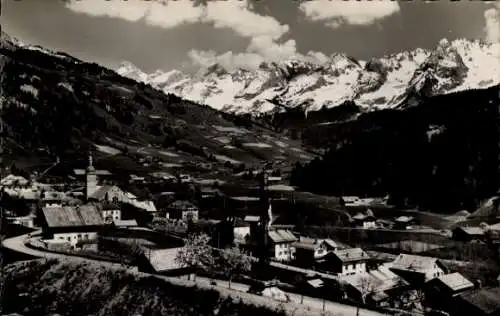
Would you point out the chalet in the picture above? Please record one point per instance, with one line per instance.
(241, 232)
(365, 221)
(468, 234)
(417, 269)
(309, 251)
(110, 213)
(404, 222)
(183, 210)
(281, 244)
(350, 200)
(26, 221)
(349, 261)
(478, 302)
(71, 223)
(12, 181)
(440, 291)
(378, 285)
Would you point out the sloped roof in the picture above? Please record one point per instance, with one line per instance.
(72, 216)
(127, 222)
(282, 236)
(315, 283)
(100, 193)
(381, 279)
(472, 230)
(251, 218)
(163, 259)
(455, 281)
(404, 219)
(414, 262)
(486, 299)
(81, 172)
(351, 254)
(12, 179)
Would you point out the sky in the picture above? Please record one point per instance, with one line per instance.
(189, 34)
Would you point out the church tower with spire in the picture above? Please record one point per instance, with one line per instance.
(90, 178)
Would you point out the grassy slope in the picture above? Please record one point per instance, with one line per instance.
(69, 289)
(46, 287)
(62, 106)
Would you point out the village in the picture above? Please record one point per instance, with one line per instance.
(94, 215)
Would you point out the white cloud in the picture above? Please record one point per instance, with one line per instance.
(492, 27)
(263, 31)
(337, 12)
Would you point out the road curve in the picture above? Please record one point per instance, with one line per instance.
(18, 244)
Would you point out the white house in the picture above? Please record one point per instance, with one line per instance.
(349, 261)
(281, 244)
(110, 215)
(72, 224)
(418, 269)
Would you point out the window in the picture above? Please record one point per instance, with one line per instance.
(79, 236)
(69, 238)
(86, 236)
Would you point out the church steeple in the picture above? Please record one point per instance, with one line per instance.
(90, 178)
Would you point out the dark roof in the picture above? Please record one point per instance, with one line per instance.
(351, 254)
(72, 216)
(486, 299)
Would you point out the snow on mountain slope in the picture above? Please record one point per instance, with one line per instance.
(375, 84)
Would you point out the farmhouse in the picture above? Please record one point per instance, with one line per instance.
(439, 291)
(281, 244)
(365, 221)
(404, 222)
(417, 269)
(308, 251)
(349, 261)
(378, 285)
(72, 224)
(183, 210)
(481, 302)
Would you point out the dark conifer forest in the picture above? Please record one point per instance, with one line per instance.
(441, 155)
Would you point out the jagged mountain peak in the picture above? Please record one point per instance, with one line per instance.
(380, 82)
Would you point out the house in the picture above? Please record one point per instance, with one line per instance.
(378, 285)
(12, 181)
(418, 269)
(366, 221)
(349, 200)
(349, 261)
(468, 234)
(241, 232)
(404, 222)
(281, 244)
(71, 223)
(184, 210)
(478, 302)
(119, 223)
(308, 251)
(439, 291)
(110, 213)
(26, 221)
(108, 193)
(209, 193)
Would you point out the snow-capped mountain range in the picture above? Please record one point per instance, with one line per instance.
(379, 83)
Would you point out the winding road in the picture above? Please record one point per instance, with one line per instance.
(309, 306)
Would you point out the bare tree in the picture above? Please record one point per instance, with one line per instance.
(196, 253)
(233, 262)
(366, 287)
